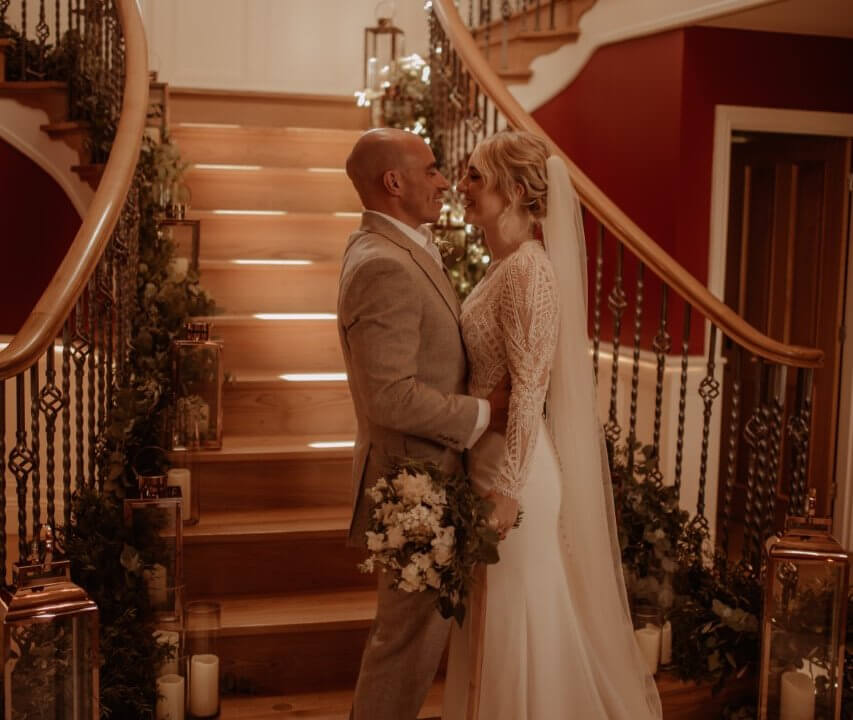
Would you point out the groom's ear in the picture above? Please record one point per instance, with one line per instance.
(391, 182)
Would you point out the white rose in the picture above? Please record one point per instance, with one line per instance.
(396, 537)
(178, 269)
(411, 576)
(375, 541)
(388, 512)
(433, 579)
(422, 560)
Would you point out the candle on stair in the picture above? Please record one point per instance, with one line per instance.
(204, 686)
(170, 700)
(648, 638)
(666, 643)
(171, 639)
(798, 696)
(157, 579)
(180, 477)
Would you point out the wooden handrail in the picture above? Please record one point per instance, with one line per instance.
(56, 302)
(613, 218)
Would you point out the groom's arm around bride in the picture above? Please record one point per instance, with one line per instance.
(398, 320)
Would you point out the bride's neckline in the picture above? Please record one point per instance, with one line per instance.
(497, 262)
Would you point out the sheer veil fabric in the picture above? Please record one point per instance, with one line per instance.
(587, 519)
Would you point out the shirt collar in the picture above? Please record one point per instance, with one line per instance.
(420, 235)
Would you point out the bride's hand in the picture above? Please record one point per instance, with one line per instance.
(505, 513)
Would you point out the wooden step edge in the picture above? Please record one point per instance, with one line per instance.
(262, 381)
(253, 320)
(568, 34)
(515, 74)
(349, 218)
(69, 127)
(246, 615)
(263, 171)
(299, 264)
(200, 128)
(265, 449)
(32, 86)
(326, 522)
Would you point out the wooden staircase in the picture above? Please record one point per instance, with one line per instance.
(274, 511)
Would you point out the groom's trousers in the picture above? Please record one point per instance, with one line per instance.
(402, 654)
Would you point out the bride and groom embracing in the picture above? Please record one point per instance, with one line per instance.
(428, 381)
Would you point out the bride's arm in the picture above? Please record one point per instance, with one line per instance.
(528, 316)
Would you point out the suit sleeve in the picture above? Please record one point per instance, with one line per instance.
(380, 320)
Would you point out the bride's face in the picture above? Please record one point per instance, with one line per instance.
(483, 205)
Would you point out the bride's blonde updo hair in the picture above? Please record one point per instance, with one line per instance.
(515, 157)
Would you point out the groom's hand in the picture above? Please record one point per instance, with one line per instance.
(499, 405)
(505, 513)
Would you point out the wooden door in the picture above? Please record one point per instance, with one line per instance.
(785, 274)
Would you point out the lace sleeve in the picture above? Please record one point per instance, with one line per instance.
(528, 317)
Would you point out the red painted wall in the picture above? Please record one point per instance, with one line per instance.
(37, 227)
(639, 120)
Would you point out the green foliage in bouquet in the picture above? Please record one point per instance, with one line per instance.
(429, 531)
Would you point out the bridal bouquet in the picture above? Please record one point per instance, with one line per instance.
(428, 531)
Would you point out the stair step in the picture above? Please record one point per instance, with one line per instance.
(51, 97)
(270, 524)
(272, 406)
(266, 345)
(244, 107)
(243, 288)
(332, 705)
(280, 189)
(269, 146)
(308, 236)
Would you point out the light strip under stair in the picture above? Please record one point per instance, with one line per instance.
(270, 261)
(295, 316)
(330, 444)
(249, 212)
(221, 166)
(314, 377)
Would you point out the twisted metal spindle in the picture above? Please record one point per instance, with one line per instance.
(552, 15)
(66, 422)
(709, 390)
(21, 464)
(537, 25)
(617, 302)
(755, 433)
(635, 367)
(42, 34)
(90, 380)
(2, 475)
(682, 398)
(80, 350)
(506, 14)
(731, 453)
(662, 344)
(596, 310)
(798, 430)
(23, 37)
(35, 448)
(775, 412)
(51, 401)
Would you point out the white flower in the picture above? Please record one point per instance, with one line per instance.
(396, 537)
(433, 579)
(388, 512)
(178, 269)
(413, 488)
(443, 544)
(375, 541)
(412, 581)
(368, 566)
(421, 560)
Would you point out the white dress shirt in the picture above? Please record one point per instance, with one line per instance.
(423, 236)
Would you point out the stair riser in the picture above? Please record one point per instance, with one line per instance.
(295, 662)
(283, 147)
(272, 484)
(291, 409)
(246, 289)
(277, 565)
(278, 190)
(282, 345)
(310, 237)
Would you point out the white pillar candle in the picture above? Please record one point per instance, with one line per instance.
(798, 696)
(170, 638)
(157, 585)
(204, 685)
(170, 698)
(648, 638)
(180, 477)
(666, 643)
(371, 73)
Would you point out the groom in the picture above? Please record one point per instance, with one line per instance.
(398, 320)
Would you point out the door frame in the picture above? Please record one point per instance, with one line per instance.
(729, 119)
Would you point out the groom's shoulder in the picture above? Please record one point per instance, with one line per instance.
(367, 248)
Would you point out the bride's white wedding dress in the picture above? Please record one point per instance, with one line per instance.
(558, 642)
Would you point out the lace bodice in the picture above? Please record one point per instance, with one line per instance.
(510, 323)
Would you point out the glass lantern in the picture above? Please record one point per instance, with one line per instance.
(50, 644)
(805, 608)
(159, 510)
(197, 377)
(384, 43)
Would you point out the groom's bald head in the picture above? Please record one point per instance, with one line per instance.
(393, 171)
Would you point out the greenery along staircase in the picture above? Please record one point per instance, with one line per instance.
(274, 507)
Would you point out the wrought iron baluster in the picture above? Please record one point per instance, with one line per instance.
(596, 312)
(51, 401)
(617, 302)
(506, 14)
(552, 16)
(798, 430)
(523, 9)
(709, 390)
(731, 453)
(42, 34)
(662, 344)
(23, 40)
(35, 447)
(682, 398)
(635, 367)
(21, 464)
(91, 379)
(58, 26)
(537, 25)
(80, 349)
(755, 434)
(66, 422)
(2, 476)
(775, 409)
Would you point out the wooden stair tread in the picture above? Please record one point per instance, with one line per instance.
(250, 525)
(249, 319)
(236, 448)
(261, 380)
(189, 128)
(330, 705)
(299, 612)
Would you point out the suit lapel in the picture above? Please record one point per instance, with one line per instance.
(371, 222)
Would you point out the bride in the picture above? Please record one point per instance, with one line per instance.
(557, 642)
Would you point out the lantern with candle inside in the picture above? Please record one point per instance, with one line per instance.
(383, 44)
(185, 479)
(804, 622)
(201, 625)
(156, 514)
(197, 378)
(49, 641)
(648, 621)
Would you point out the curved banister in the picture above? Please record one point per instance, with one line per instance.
(57, 301)
(613, 218)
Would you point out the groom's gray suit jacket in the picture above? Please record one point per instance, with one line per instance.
(398, 319)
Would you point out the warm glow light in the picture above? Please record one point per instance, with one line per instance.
(270, 261)
(207, 125)
(249, 212)
(333, 444)
(326, 170)
(295, 316)
(347, 214)
(215, 166)
(314, 377)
